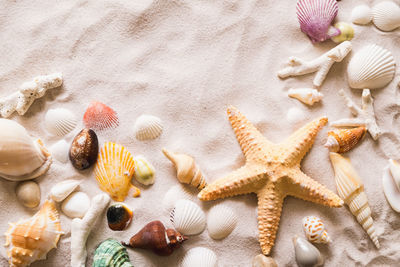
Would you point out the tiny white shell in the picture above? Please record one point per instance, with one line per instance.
(308, 96)
(386, 16)
(147, 127)
(221, 221)
(144, 170)
(392, 194)
(60, 121)
(200, 257)
(175, 193)
(60, 150)
(76, 205)
(188, 218)
(63, 189)
(295, 116)
(361, 15)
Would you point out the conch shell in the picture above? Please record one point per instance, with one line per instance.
(351, 190)
(343, 140)
(187, 170)
(31, 239)
(21, 158)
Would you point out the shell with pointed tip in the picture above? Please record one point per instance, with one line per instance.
(221, 221)
(308, 96)
(110, 253)
(315, 231)
(351, 190)
(147, 127)
(263, 261)
(59, 151)
(372, 67)
(62, 190)
(306, 254)
(390, 189)
(188, 218)
(60, 121)
(114, 170)
(175, 193)
(395, 171)
(144, 171)
(31, 239)
(343, 140)
(361, 15)
(315, 18)
(386, 16)
(28, 193)
(200, 257)
(21, 158)
(99, 116)
(76, 205)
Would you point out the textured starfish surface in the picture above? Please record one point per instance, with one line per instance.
(272, 171)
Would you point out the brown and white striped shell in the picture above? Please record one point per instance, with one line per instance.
(343, 140)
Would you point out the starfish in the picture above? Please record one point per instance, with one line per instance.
(272, 171)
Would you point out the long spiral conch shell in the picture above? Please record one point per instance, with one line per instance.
(31, 239)
(187, 171)
(343, 140)
(351, 190)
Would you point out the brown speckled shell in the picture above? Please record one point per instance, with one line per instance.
(348, 138)
(84, 149)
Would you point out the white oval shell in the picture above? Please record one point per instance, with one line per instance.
(147, 127)
(20, 157)
(60, 121)
(308, 96)
(392, 194)
(28, 193)
(200, 257)
(76, 205)
(144, 170)
(175, 193)
(386, 16)
(372, 67)
(221, 221)
(188, 218)
(361, 15)
(63, 189)
(60, 150)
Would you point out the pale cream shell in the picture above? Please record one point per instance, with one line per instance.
(200, 257)
(28, 193)
(361, 15)
(188, 218)
(62, 190)
(60, 121)
(76, 205)
(60, 150)
(221, 221)
(308, 96)
(390, 190)
(386, 16)
(144, 170)
(147, 127)
(175, 193)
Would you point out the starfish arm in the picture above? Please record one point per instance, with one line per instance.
(300, 142)
(302, 186)
(250, 139)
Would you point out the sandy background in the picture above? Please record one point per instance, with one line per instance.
(186, 61)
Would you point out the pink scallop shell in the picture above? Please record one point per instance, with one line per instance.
(99, 116)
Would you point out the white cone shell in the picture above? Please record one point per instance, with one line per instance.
(188, 218)
(60, 121)
(221, 221)
(308, 96)
(175, 193)
(372, 67)
(60, 150)
(76, 205)
(147, 127)
(200, 257)
(386, 16)
(361, 14)
(62, 190)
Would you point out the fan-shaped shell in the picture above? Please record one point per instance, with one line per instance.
(21, 158)
(200, 257)
(62, 190)
(31, 239)
(60, 121)
(315, 18)
(110, 253)
(221, 221)
(114, 170)
(99, 116)
(372, 67)
(175, 193)
(315, 231)
(76, 205)
(361, 14)
(147, 127)
(386, 16)
(188, 218)
(59, 151)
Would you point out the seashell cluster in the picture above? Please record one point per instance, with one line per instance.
(386, 16)
(28, 193)
(147, 127)
(188, 218)
(306, 254)
(76, 205)
(361, 15)
(144, 170)
(62, 190)
(343, 140)
(119, 216)
(99, 116)
(187, 170)
(175, 193)
(21, 158)
(372, 67)
(199, 257)
(84, 148)
(315, 231)
(60, 121)
(263, 261)
(60, 151)
(111, 253)
(154, 236)
(346, 32)
(308, 96)
(31, 239)
(221, 221)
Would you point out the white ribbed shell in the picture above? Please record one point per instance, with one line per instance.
(361, 15)
(372, 67)
(60, 121)
(147, 127)
(188, 218)
(386, 16)
(221, 221)
(200, 257)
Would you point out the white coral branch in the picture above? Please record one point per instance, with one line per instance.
(364, 116)
(21, 100)
(321, 65)
(81, 228)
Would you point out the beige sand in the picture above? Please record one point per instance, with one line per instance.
(186, 61)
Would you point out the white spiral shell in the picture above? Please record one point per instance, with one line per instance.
(147, 127)
(386, 16)
(200, 257)
(188, 218)
(221, 221)
(60, 121)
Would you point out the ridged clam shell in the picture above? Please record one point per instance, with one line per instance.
(372, 67)
(308, 96)
(21, 158)
(76, 205)
(147, 127)
(390, 189)
(62, 190)
(110, 253)
(315, 231)
(386, 16)
(343, 140)
(59, 151)
(188, 218)
(60, 121)
(361, 14)
(221, 221)
(200, 257)
(99, 116)
(175, 193)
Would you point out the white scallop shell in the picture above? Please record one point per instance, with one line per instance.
(60, 151)
(188, 218)
(361, 15)
(386, 16)
(76, 205)
(62, 190)
(221, 221)
(200, 257)
(372, 67)
(60, 121)
(175, 193)
(147, 127)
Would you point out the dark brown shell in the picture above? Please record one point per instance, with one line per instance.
(119, 216)
(84, 149)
